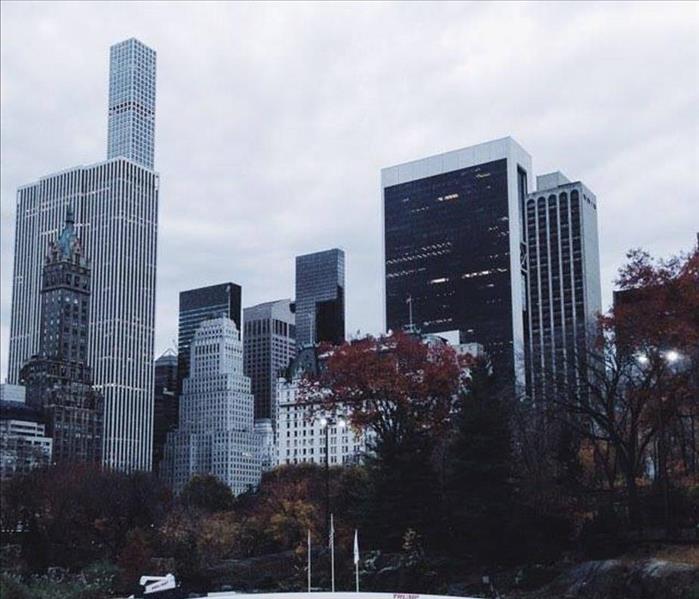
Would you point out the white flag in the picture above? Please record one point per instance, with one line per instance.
(332, 533)
(356, 547)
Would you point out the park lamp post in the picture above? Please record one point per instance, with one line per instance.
(326, 422)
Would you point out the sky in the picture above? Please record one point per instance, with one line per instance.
(274, 120)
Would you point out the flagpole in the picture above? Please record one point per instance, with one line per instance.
(356, 559)
(309, 560)
(332, 553)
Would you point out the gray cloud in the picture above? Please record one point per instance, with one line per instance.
(273, 121)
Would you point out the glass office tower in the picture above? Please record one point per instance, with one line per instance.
(454, 247)
(320, 298)
(132, 102)
(198, 305)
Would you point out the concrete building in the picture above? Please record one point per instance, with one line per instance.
(165, 404)
(23, 441)
(58, 379)
(216, 432)
(131, 132)
(15, 393)
(455, 248)
(116, 217)
(320, 298)
(564, 283)
(269, 342)
(198, 305)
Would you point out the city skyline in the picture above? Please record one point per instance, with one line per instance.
(604, 151)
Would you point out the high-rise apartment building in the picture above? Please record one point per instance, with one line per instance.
(116, 217)
(564, 283)
(165, 403)
(131, 131)
(269, 346)
(455, 248)
(320, 298)
(198, 305)
(216, 432)
(58, 379)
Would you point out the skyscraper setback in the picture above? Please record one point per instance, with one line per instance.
(320, 297)
(116, 216)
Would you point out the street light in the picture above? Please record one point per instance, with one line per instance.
(672, 356)
(326, 422)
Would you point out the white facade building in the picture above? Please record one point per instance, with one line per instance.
(216, 433)
(17, 393)
(301, 432)
(116, 217)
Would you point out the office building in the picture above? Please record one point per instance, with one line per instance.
(131, 131)
(216, 432)
(564, 283)
(269, 346)
(24, 444)
(116, 217)
(198, 305)
(455, 248)
(165, 403)
(320, 298)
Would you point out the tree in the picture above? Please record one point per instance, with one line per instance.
(207, 493)
(479, 459)
(634, 388)
(403, 392)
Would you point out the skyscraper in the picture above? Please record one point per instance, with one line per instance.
(320, 297)
(564, 282)
(24, 444)
(216, 426)
(58, 378)
(116, 217)
(165, 403)
(269, 344)
(132, 102)
(198, 305)
(455, 248)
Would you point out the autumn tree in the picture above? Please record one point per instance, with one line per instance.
(207, 493)
(403, 392)
(638, 377)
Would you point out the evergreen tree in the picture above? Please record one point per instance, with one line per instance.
(478, 488)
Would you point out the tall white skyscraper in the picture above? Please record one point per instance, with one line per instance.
(564, 282)
(116, 217)
(216, 433)
(132, 102)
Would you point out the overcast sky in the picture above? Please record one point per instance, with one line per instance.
(274, 120)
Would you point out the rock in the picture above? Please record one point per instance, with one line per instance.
(617, 579)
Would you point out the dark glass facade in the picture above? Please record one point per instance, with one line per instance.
(320, 297)
(198, 305)
(447, 248)
(165, 404)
